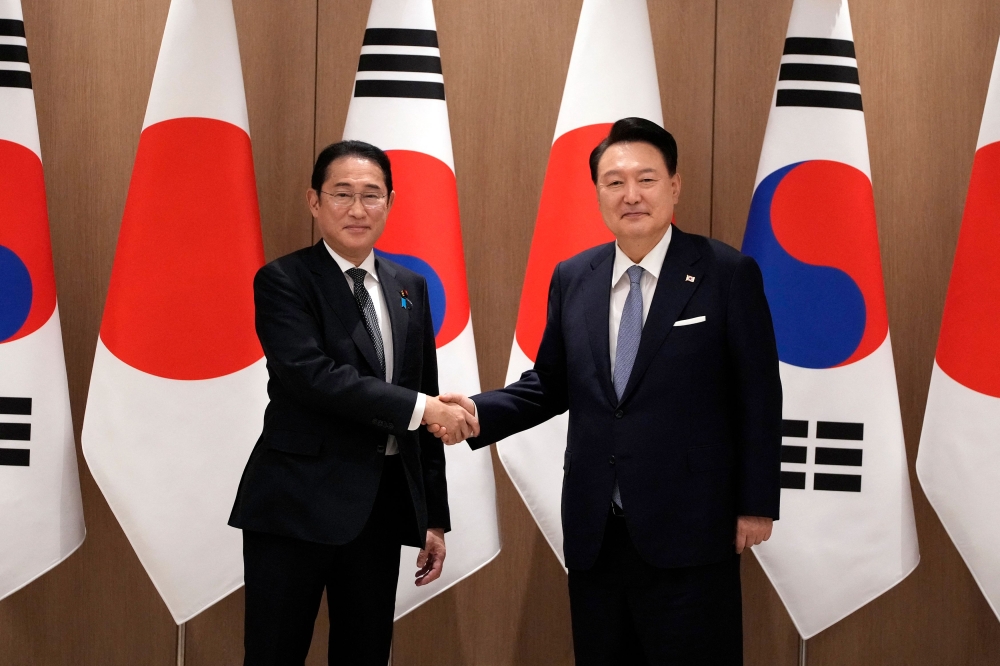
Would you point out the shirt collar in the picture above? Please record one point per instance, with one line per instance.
(651, 263)
(368, 264)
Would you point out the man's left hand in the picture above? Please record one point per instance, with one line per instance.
(752, 530)
(431, 558)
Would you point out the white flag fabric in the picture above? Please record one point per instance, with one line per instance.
(847, 532)
(399, 105)
(959, 459)
(177, 393)
(598, 92)
(41, 515)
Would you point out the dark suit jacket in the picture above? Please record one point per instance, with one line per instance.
(695, 439)
(315, 470)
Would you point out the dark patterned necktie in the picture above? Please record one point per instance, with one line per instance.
(367, 309)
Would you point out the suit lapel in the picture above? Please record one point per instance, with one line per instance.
(399, 317)
(674, 289)
(338, 295)
(597, 301)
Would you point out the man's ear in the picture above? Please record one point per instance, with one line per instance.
(675, 183)
(312, 200)
(389, 200)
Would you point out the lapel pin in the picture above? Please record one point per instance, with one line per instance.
(404, 299)
(689, 278)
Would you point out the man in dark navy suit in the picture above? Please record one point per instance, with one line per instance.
(342, 474)
(661, 347)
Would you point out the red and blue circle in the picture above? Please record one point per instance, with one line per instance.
(27, 279)
(424, 234)
(812, 231)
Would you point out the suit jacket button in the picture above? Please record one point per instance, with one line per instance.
(611, 460)
(619, 414)
(381, 449)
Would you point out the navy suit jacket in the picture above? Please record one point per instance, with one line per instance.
(695, 440)
(315, 470)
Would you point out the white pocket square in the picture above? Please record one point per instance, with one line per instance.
(688, 322)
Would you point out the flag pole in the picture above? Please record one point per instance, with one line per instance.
(181, 640)
(802, 652)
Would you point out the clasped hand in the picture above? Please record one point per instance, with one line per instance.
(451, 418)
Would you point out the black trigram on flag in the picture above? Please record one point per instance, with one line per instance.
(821, 72)
(14, 70)
(15, 432)
(823, 455)
(400, 62)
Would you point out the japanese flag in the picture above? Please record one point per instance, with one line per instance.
(177, 394)
(959, 460)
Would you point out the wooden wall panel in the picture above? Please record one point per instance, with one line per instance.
(924, 69)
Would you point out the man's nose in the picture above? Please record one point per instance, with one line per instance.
(356, 209)
(632, 195)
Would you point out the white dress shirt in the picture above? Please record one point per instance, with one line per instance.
(385, 330)
(651, 264)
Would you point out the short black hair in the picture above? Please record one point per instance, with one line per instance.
(637, 129)
(350, 148)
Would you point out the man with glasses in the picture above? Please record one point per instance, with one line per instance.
(660, 345)
(343, 474)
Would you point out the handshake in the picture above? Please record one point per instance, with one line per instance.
(451, 417)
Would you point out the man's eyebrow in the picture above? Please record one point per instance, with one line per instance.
(618, 172)
(367, 186)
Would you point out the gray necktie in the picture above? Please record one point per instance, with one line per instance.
(367, 309)
(629, 333)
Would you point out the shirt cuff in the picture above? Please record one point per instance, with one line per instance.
(475, 408)
(418, 412)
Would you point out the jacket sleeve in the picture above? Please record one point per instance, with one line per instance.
(757, 389)
(540, 393)
(290, 335)
(431, 449)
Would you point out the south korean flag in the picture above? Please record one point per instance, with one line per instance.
(847, 532)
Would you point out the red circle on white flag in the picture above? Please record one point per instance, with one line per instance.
(968, 348)
(180, 303)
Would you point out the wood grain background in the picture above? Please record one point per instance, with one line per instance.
(924, 67)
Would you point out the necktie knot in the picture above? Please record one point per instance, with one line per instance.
(634, 274)
(358, 275)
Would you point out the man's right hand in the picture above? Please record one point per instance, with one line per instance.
(449, 421)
